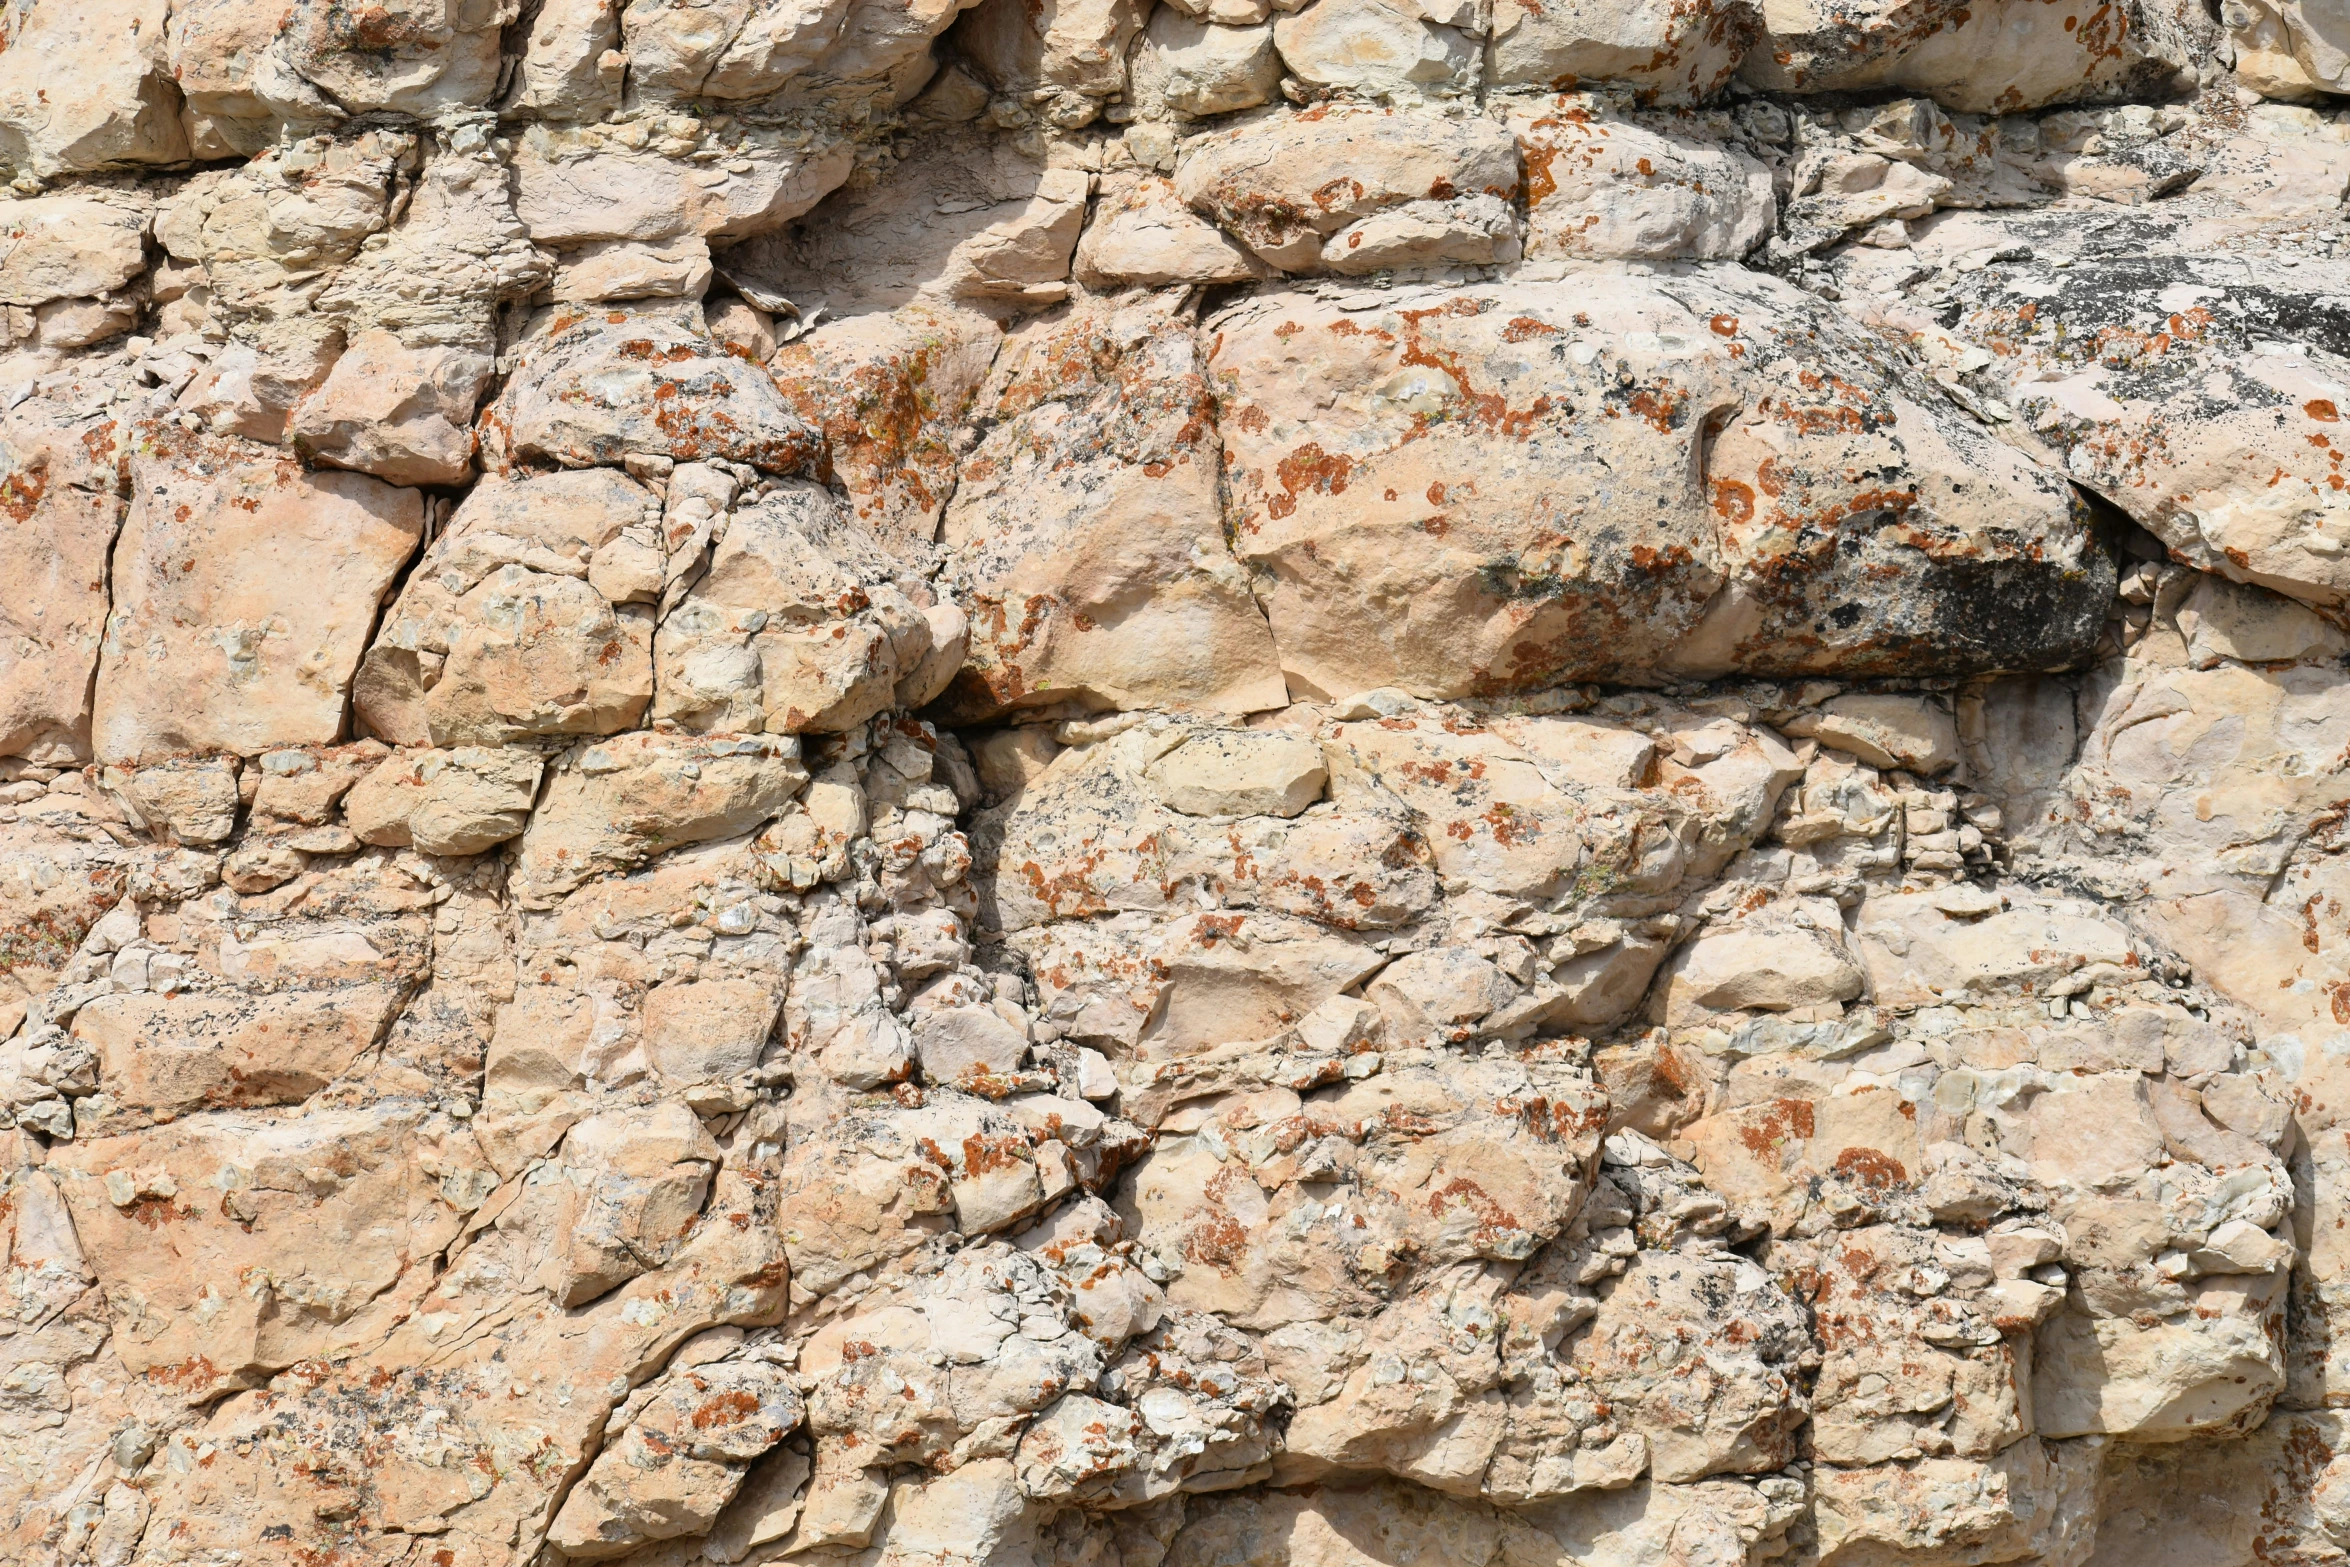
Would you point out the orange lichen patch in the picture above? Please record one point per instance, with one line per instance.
(1775, 1125)
(1308, 469)
(1868, 1167)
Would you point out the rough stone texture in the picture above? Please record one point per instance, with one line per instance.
(1241, 783)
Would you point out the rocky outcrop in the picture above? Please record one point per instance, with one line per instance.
(1207, 784)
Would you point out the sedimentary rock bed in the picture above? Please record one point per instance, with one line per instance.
(1228, 783)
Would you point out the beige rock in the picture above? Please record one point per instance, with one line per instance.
(1439, 1427)
(1603, 186)
(1286, 183)
(2152, 1499)
(186, 799)
(53, 612)
(680, 1461)
(700, 1031)
(402, 414)
(633, 1185)
(1093, 835)
(728, 1275)
(736, 51)
(591, 389)
(1442, 1177)
(793, 627)
(66, 247)
(1771, 961)
(1885, 731)
(2036, 1498)
(980, 222)
(615, 803)
(887, 47)
(1231, 772)
(263, 233)
(459, 801)
(966, 1044)
(574, 185)
(1611, 927)
(570, 69)
(445, 57)
(844, 1502)
(502, 632)
(2284, 51)
(766, 1508)
(327, 1219)
(2222, 620)
(1435, 993)
(1902, 1376)
(1694, 1352)
(2216, 1370)
(2234, 491)
(2215, 793)
(1374, 46)
(1916, 952)
(1669, 54)
(1865, 190)
(203, 650)
(1472, 230)
(991, 1337)
(1094, 569)
(1772, 1148)
(168, 1056)
(889, 391)
(1198, 68)
(1997, 59)
(632, 269)
(455, 256)
(742, 328)
(1144, 234)
(976, 1511)
(1335, 1527)
(1071, 46)
(124, 108)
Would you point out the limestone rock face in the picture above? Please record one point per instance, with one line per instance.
(1237, 783)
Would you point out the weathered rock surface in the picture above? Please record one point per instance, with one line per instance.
(1240, 783)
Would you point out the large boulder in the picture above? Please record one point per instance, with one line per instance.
(1291, 185)
(1977, 59)
(205, 650)
(59, 493)
(1438, 492)
(1665, 53)
(507, 630)
(1085, 535)
(2164, 388)
(593, 387)
(124, 109)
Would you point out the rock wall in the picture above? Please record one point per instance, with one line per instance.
(1229, 783)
